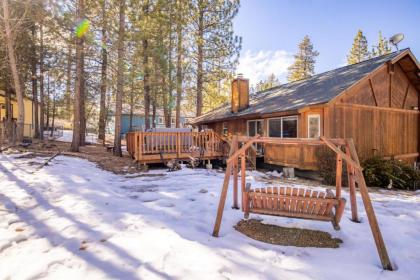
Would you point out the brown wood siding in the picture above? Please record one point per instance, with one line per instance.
(375, 131)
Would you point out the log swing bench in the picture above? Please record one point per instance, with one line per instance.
(301, 202)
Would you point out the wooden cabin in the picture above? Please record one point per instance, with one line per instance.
(375, 102)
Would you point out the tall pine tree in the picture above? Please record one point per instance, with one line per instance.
(382, 47)
(304, 65)
(359, 50)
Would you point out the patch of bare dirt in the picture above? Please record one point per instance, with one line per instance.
(284, 236)
(93, 152)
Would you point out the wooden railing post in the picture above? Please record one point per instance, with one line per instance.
(139, 148)
(178, 145)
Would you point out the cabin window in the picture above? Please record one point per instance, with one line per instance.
(255, 127)
(160, 120)
(172, 120)
(285, 127)
(314, 126)
(225, 129)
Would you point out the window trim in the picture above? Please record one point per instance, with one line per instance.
(296, 117)
(225, 126)
(318, 116)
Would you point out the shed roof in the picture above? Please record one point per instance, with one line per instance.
(317, 89)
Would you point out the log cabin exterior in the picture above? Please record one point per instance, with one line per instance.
(375, 102)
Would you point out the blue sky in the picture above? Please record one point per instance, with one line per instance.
(272, 29)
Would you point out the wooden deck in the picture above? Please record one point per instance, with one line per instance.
(153, 147)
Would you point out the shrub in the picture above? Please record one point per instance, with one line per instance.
(379, 172)
(327, 166)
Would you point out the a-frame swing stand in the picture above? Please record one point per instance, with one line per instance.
(301, 203)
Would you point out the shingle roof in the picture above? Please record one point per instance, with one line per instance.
(317, 89)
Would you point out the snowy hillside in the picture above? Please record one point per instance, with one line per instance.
(71, 220)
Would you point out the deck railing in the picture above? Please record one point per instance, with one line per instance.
(151, 146)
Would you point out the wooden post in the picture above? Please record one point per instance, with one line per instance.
(233, 149)
(243, 177)
(343, 155)
(338, 175)
(178, 145)
(139, 148)
(235, 184)
(373, 222)
(222, 200)
(352, 188)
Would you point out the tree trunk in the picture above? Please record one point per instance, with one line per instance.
(200, 58)
(9, 114)
(167, 97)
(53, 112)
(68, 82)
(102, 109)
(146, 85)
(179, 66)
(132, 77)
(82, 104)
(120, 81)
(48, 102)
(75, 144)
(35, 84)
(12, 61)
(41, 82)
(154, 112)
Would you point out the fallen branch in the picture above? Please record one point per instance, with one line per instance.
(47, 161)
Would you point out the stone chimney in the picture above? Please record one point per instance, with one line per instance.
(240, 94)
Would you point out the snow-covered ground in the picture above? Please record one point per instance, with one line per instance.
(68, 137)
(71, 220)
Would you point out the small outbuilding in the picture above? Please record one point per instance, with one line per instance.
(375, 102)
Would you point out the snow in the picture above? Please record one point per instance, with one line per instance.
(68, 137)
(72, 220)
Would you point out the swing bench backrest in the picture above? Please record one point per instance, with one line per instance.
(294, 202)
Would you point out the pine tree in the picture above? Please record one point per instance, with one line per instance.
(270, 82)
(382, 47)
(359, 50)
(304, 65)
(216, 47)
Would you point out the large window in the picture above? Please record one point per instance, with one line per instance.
(314, 126)
(285, 127)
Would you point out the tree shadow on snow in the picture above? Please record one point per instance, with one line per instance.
(72, 245)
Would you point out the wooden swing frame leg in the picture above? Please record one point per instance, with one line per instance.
(222, 200)
(235, 184)
(373, 222)
(352, 185)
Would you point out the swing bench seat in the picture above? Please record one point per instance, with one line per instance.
(294, 203)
